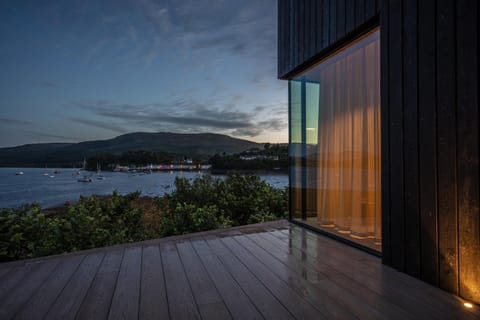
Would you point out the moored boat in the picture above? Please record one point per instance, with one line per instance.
(85, 179)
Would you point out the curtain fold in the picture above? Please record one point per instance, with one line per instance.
(348, 195)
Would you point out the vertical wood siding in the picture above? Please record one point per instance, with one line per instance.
(430, 100)
(306, 27)
(430, 124)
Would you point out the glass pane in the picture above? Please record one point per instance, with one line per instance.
(312, 95)
(335, 126)
(295, 150)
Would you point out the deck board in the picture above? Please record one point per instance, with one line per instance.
(19, 295)
(232, 294)
(181, 302)
(68, 302)
(42, 300)
(4, 272)
(209, 301)
(153, 297)
(299, 307)
(263, 299)
(125, 301)
(353, 275)
(99, 297)
(267, 271)
(402, 292)
(333, 283)
(300, 279)
(14, 279)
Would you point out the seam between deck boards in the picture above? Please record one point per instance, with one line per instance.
(233, 278)
(256, 277)
(209, 277)
(64, 286)
(90, 285)
(140, 285)
(116, 283)
(266, 265)
(164, 281)
(188, 280)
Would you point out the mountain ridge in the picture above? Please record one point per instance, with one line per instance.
(70, 154)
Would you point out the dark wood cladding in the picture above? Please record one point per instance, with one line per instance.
(430, 149)
(308, 27)
(430, 119)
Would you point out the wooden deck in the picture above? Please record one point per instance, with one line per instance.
(266, 271)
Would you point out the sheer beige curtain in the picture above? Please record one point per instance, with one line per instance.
(348, 175)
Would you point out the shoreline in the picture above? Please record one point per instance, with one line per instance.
(35, 187)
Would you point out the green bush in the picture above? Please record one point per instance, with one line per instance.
(186, 218)
(202, 204)
(238, 199)
(93, 222)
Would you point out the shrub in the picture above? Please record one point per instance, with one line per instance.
(240, 199)
(202, 204)
(186, 218)
(93, 222)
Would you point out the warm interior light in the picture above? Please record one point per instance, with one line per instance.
(311, 129)
(468, 305)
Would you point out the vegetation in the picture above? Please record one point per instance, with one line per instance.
(93, 222)
(202, 204)
(208, 203)
(271, 157)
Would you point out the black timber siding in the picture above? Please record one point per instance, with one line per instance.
(430, 119)
(308, 29)
(430, 100)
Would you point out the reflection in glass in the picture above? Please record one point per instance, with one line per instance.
(295, 150)
(335, 143)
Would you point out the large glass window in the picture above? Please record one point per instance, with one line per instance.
(335, 143)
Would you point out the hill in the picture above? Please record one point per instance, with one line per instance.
(70, 154)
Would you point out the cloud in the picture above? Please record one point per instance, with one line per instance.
(15, 122)
(247, 132)
(237, 26)
(184, 115)
(275, 124)
(38, 134)
(100, 124)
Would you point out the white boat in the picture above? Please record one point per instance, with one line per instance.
(19, 173)
(85, 179)
(99, 173)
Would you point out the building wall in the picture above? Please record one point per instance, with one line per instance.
(430, 146)
(310, 28)
(430, 120)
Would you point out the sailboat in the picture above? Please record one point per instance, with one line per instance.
(46, 173)
(83, 167)
(99, 173)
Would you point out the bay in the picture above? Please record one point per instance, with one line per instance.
(48, 189)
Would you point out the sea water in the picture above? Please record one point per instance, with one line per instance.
(48, 189)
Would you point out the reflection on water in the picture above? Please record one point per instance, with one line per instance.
(49, 189)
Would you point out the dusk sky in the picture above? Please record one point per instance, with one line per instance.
(86, 70)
